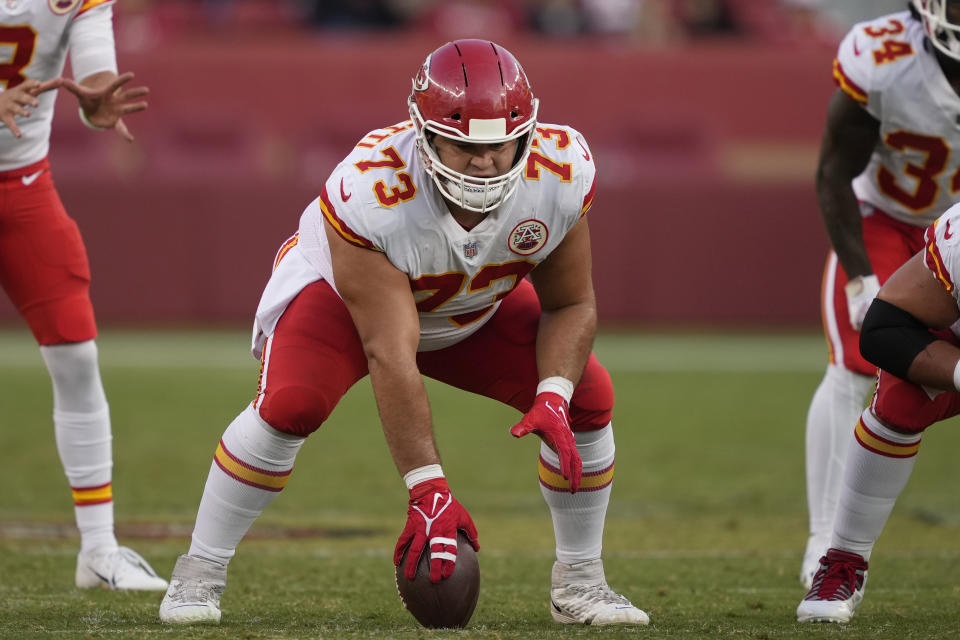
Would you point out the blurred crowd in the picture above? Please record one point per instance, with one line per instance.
(646, 22)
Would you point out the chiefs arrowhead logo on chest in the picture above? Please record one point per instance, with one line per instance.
(60, 7)
(528, 237)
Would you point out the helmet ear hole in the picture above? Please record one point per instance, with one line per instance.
(456, 117)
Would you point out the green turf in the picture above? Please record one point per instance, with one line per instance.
(705, 528)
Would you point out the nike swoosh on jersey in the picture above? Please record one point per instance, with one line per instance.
(343, 194)
(856, 49)
(947, 234)
(586, 154)
(30, 179)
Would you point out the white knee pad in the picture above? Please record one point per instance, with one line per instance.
(75, 374)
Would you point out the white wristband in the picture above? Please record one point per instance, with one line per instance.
(418, 475)
(558, 385)
(90, 125)
(956, 376)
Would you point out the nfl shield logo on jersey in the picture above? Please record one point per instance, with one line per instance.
(470, 249)
(528, 237)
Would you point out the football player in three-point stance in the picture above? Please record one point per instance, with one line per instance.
(43, 263)
(889, 165)
(412, 262)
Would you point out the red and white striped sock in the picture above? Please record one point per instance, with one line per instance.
(252, 464)
(878, 467)
(81, 421)
(578, 518)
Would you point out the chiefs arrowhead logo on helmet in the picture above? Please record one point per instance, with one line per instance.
(422, 81)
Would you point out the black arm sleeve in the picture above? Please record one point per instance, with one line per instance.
(891, 338)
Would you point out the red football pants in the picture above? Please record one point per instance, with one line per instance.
(315, 355)
(43, 263)
(907, 406)
(889, 244)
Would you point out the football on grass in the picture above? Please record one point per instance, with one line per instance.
(450, 602)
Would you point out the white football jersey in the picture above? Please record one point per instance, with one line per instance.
(887, 65)
(380, 198)
(942, 250)
(35, 36)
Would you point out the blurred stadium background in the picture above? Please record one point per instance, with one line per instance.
(704, 116)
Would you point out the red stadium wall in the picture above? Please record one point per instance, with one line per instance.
(705, 213)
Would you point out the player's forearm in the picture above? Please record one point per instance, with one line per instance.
(564, 340)
(849, 139)
(936, 366)
(404, 413)
(840, 211)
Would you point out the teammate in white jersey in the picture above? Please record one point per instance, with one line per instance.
(412, 262)
(910, 333)
(889, 165)
(43, 262)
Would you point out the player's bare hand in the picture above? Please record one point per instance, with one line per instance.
(16, 100)
(105, 105)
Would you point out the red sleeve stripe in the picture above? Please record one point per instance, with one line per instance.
(552, 479)
(289, 244)
(588, 199)
(848, 86)
(339, 225)
(934, 260)
(881, 446)
(90, 4)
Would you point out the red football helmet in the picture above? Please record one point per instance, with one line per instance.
(474, 91)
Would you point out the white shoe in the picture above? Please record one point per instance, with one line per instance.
(837, 588)
(579, 595)
(816, 548)
(195, 590)
(119, 569)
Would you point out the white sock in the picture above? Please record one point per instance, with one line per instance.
(81, 420)
(878, 468)
(250, 467)
(834, 411)
(578, 518)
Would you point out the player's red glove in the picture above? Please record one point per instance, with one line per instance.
(434, 515)
(548, 418)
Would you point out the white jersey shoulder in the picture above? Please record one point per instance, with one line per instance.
(878, 55)
(942, 250)
(380, 198)
(887, 66)
(35, 36)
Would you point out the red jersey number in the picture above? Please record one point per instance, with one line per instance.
(924, 176)
(24, 41)
(445, 286)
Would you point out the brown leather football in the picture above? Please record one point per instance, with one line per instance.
(450, 602)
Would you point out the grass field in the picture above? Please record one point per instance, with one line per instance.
(705, 529)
